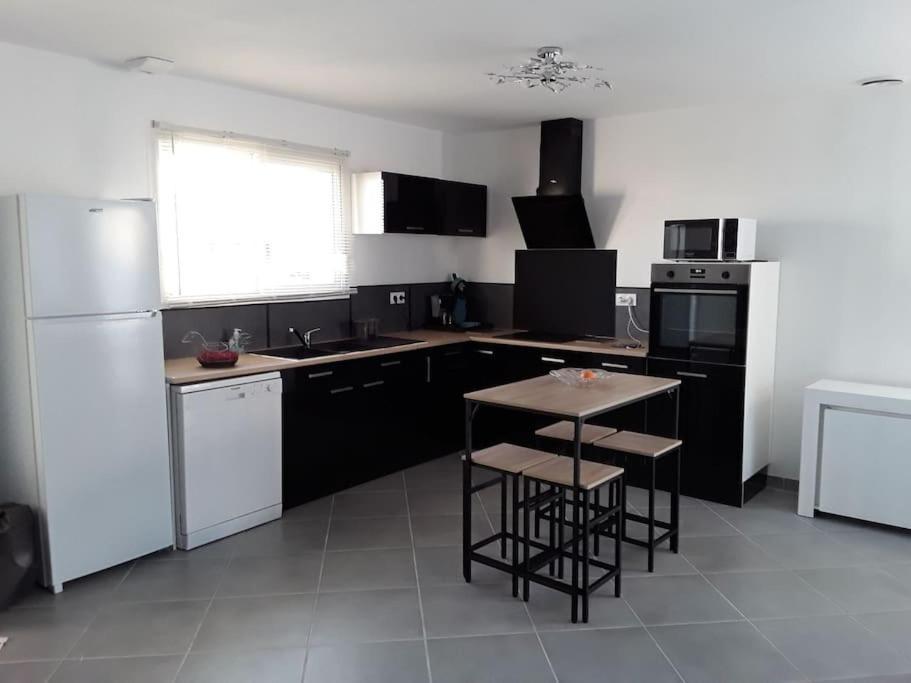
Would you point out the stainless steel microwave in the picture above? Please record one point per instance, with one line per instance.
(710, 239)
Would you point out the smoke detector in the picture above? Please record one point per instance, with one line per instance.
(149, 65)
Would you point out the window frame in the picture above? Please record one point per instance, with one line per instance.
(345, 208)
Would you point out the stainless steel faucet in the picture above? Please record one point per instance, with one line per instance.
(305, 337)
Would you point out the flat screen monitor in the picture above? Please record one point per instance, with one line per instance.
(566, 292)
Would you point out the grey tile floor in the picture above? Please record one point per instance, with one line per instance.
(366, 586)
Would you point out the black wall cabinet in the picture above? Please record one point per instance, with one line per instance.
(410, 204)
(406, 204)
(463, 209)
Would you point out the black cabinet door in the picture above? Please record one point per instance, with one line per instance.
(464, 207)
(711, 426)
(315, 401)
(411, 204)
(448, 377)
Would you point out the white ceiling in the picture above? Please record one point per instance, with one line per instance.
(423, 61)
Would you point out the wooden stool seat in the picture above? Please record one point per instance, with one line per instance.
(646, 445)
(507, 457)
(559, 471)
(566, 431)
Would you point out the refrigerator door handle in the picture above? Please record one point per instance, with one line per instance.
(134, 315)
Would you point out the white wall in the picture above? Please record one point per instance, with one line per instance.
(829, 180)
(73, 127)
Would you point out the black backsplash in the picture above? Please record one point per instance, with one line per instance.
(268, 323)
(333, 317)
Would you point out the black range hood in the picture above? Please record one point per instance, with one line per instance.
(555, 217)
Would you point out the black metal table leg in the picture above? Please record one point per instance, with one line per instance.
(503, 515)
(618, 537)
(585, 532)
(466, 495)
(526, 549)
(675, 496)
(597, 512)
(675, 503)
(651, 518)
(515, 536)
(577, 464)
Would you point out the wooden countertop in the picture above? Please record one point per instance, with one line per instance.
(549, 395)
(188, 371)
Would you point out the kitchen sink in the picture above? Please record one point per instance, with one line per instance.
(295, 352)
(351, 345)
(339, 346)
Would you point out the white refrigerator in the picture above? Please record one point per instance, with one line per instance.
(83, 402)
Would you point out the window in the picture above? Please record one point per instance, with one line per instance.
(244, 219)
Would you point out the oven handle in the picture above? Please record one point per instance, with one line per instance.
(697, 375)
(684, 290)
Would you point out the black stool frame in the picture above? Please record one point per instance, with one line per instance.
(672, 527)
(470, 550)
(594, 519)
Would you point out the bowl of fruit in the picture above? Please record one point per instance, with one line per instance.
(211, 354)
(580, 377)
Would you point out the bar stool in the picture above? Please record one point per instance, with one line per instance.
(558, 473)
(652, 449)
(509, 461)
(564, 432)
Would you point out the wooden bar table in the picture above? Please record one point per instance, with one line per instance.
(550, 397)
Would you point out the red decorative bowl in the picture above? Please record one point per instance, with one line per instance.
(216, 355)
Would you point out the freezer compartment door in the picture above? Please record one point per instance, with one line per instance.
(230, 462)
(87, 257)
(103, 444)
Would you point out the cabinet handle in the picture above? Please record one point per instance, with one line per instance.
(619, 366)
(428, 369)
(414, 227)
(315, 375)
(697, 375)
(374, 384)
(486, 352)
(341, 390)
(466, 231)
(390, 363)
(551, 359)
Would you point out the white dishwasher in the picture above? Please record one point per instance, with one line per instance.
(227, 456)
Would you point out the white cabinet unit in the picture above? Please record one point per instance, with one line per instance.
(855, 456)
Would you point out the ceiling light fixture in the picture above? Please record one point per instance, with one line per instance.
(892, 80)
(549, 70)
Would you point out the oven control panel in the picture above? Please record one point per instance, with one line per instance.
(710, 273)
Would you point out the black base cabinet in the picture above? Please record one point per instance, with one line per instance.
(711, 426)
(348, 422)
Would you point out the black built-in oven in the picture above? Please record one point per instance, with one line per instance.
(699, 312)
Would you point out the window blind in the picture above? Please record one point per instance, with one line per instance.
(248, 219)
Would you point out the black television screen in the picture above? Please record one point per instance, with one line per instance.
(566, 292)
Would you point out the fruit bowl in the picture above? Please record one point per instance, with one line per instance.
(216, 355)
(580, 377)
(212, 354)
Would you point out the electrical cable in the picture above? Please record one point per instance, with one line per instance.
(631, 322)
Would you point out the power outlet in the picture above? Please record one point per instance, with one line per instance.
(396, 298)
(626, 299)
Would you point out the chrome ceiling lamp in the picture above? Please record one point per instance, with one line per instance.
(549, 70)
